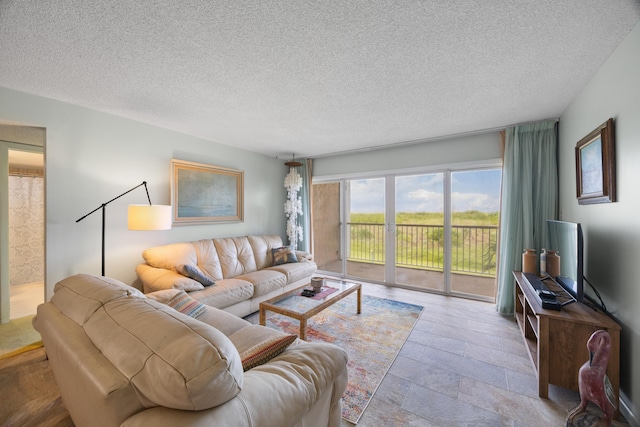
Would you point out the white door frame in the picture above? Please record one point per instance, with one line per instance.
(5, 292)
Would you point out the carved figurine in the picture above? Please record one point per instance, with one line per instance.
(593, 382)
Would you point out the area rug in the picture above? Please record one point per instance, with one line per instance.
(372, 340)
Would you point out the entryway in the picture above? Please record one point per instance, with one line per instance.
(22, 243)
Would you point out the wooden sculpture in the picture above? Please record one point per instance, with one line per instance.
(593, 382)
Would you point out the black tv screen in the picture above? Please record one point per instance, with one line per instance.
(566, 239)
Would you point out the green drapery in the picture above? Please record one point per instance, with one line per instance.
(305, 195)
(529, 198)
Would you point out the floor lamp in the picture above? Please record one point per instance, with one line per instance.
(140, 217)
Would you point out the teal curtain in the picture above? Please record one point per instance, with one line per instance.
(529, 198)
(305, 195)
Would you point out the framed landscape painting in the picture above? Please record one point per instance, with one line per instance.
(203, 193)
(595, 166)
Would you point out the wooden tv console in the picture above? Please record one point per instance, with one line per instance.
(557, 340)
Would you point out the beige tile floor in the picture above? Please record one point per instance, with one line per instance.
(462, 365)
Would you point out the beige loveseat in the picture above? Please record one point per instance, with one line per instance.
(121, 358)
(234, 274)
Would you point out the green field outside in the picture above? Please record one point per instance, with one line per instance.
(420, 240)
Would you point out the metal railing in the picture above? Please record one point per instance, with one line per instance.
(473, 248)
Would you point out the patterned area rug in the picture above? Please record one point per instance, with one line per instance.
(372, 340)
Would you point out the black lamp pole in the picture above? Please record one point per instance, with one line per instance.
(103, 206)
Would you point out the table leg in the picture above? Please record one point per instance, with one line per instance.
(303, 329)
(359, 300)
(263, 317)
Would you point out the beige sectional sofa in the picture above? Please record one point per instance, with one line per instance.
(122, 358)
(242, 269)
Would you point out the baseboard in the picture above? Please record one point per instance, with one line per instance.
(22, 350)
(627, 413)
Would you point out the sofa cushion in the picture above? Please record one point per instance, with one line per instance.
(157, 279)
(283, 255)
(264, 281)
(80, 295)
(251, 335)
(265, 350)
(295, 271)
(186, 305)
(207, 258)
(170, 256)
(171, 359)
(193, 272)
(257, 344)
(225, 322)
(262, 246)
(236, 256)
(226, 292)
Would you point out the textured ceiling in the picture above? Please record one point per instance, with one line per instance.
(312, 77)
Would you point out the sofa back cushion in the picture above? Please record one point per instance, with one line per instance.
(81, 295)
(170, 256)
(262, 249)
(236, 256)
(170, 359)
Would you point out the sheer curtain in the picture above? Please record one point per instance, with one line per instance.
(26, 229)
(529, 198)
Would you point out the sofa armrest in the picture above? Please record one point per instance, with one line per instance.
(277, 393)
(304, 256)
(157, 279)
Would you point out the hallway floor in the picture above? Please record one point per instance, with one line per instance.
(25, 299)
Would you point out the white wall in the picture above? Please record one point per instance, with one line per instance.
(452, 151)
(612, 230)
(91, 157)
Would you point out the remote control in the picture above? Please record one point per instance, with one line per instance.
(544, 293)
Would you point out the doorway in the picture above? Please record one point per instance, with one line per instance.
(22, 266)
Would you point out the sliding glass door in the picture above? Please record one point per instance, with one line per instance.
(431, 231)
(420, 231)
(475, 206)
(366, 228)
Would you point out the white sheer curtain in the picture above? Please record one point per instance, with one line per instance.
(529, 198)
(26, 229)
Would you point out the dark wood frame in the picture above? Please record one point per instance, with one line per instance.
(601, 175)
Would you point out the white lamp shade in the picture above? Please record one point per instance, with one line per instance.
(149, 217)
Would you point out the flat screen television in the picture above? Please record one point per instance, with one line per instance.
(566, 239)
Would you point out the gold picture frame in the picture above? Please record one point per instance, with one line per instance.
(203, 193)
(596, 167)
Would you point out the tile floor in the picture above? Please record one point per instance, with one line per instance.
(462, 365)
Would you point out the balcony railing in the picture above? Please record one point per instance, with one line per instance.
(473, 248)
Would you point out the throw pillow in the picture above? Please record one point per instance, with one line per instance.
(283, 255)
(193, 272)
(265, 351)
(186, 305)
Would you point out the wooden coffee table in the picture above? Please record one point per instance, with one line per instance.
(294, 305)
